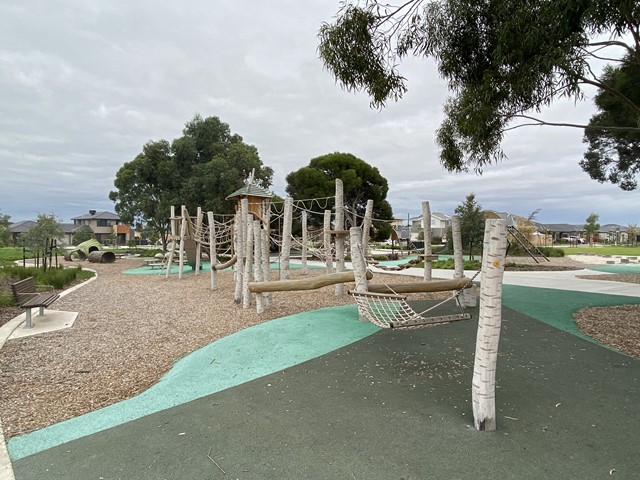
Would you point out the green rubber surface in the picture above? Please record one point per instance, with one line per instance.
(230, 361)
(395, 405)
(206, 268)
(616, 268)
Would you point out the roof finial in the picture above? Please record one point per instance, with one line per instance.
(249, 181)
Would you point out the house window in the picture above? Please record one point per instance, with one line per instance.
(103, 223)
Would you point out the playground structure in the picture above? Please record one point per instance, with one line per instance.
(246, 239)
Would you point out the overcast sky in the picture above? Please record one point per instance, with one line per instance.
(85, 84)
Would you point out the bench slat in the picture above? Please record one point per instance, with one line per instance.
(43, 300)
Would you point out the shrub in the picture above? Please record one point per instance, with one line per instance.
(58, 278)
(552, 252)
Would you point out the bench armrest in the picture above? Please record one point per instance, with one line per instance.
(44, 287)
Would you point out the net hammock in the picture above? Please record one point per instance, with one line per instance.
(391, 310)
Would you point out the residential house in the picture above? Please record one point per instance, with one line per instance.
(105, 225)
(18, 228)
(613, 234)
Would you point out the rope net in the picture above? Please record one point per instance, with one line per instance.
(388, 310)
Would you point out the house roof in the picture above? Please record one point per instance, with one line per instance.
(98, 215)
(251, 190)
(561, 227)
(612, 227)
(71, 228)
(21, 227)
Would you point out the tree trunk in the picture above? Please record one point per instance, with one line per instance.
(339, 226)
(488, 336)
(213, 257)
(426, 228)
(286, 238)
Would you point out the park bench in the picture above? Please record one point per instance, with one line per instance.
(25, 294)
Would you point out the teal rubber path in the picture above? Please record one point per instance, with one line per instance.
(232, 360)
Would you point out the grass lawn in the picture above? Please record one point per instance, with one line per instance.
(8, 255)
(604, 250)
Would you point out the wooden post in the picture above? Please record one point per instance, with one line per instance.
(327, 241)
(366, 227)
(198, 238)
(357, 259)
(305, 240)
(483, 390)
(458, 259)
(257, 252)
(248, 263)
(426, 227)
(213, 254)
(173, 241)
(183, 231)
(266, 251)
(339, 226)
(241, 221)
(286, 238)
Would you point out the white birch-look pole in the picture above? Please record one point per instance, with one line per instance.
(213, 254)
(239, 238)
(286, 238)
(183, 229)
(198, 238)
(173, 241)
(339, 228)
(458, 260)
(327, 241)
(266, 251)
(257, 260)
(357, 259)
(248, 263)
(366, 227)
(483, 389)
(426, 228)
(305, 240)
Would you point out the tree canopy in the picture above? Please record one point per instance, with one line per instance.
(592, 226)
(199, 169)
(614, 155)
(4, 229)
(47, 227)
(361, 181)
(503, 61)
(471, 223)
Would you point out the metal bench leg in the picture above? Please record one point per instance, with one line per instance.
(41, 311)
(28, 322)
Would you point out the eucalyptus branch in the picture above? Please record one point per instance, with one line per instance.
(613, 43)
(540, 123)
(613, 91)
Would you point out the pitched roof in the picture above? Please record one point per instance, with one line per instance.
(21, 227)
(251, 191)
(561, 227)
(98, 215)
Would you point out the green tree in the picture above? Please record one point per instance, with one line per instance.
(361, 181)
(471, 223)
(614, 155)
(47, 227)
(199, 169)
(4, 229)
(83, 234)
(632, 234)
(502, 60)
(592, 226)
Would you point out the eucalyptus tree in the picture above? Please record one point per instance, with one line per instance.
(504, 61)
